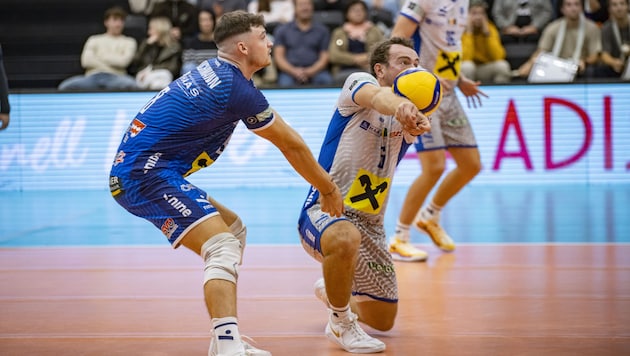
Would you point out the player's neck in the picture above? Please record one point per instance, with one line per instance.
(247, 73)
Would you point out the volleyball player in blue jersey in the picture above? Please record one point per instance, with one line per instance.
(184, 128)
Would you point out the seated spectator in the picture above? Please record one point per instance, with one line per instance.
(200, 47)
(275, 12)
(596, 10)
(326, 5)
(105, 57)
(350, 43)
(521, 20)
(383, 13)
(143, 7)
(483, 55)
(301, 49)
(220, 7)
(158, 59)
(615, 41)
(572, 26)
(182, 14)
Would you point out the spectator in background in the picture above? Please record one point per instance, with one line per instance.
(301, 49)
(5, 108)
(338, 5)
(105, 57)
(350, 43)
(220, 7)
(615, 40)
(521, 20)
(569, 27)
(275, 12)
(182, 14)
(158, 59)
(483, 55)
(596, 10)
(201, 46)
(383, 13)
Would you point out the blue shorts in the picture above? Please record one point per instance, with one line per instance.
(167, 200)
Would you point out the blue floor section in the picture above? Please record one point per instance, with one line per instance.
(479, 214)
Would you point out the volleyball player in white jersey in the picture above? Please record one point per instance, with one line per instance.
(436, 27)
(367, 136)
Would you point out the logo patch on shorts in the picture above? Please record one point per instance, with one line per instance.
(169, 227)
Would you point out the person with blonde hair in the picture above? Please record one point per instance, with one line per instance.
(158, 59)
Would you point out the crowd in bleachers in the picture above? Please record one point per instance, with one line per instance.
(320, 42)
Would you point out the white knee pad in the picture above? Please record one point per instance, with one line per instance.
(222, 255)
(240, 231)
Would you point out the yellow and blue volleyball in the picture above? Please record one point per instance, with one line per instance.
(421, 87)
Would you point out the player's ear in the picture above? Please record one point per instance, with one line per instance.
(242, 47)
(379, 70)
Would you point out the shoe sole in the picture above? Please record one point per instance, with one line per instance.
(422, 227)
(398, 257)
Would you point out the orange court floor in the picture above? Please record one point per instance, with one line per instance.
(538, 270)
(480, 300)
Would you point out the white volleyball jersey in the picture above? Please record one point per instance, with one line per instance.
(360, 151)
(438, 40)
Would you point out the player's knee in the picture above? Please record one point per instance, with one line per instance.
(240, 231)
(382, 324)
(222, 255)
(435, 169)
(342, 238)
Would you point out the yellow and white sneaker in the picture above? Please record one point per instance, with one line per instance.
(404, 251)
(436, 233)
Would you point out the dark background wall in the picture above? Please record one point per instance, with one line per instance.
(42, 39)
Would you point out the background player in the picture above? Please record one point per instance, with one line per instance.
(437, 27)
(184, 128)
(368, 134)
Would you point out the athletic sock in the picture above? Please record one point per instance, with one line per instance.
(430, 211)
(227, 335)
(340, 313)
(402, 231)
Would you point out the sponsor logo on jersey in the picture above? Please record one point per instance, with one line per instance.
(202, 161)
(169, 227)
(365, 125)
(368, 192)
(260, 117)
(152, 161)
(136, 127)
(120, 158)
(447, 65)
(177, 204)
(115, 186)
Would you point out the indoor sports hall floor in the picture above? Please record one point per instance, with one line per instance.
(539, 270)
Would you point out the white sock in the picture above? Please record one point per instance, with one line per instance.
(340, 313)
(402, 231)
(430, 211)
(227, 336)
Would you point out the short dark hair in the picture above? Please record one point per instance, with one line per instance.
(235, 23)
(380, 52)
(116, 11)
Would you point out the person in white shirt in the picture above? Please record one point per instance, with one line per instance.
(105, 57)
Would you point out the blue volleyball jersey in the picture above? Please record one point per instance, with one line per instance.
(186, 126)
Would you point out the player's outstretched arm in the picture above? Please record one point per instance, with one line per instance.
(383, 100)
(297, 153)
